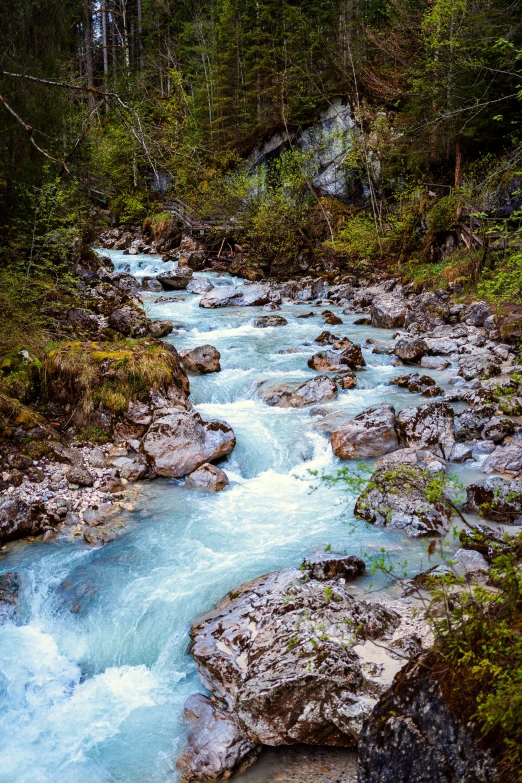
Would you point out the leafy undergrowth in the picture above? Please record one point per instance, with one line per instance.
(479, 660)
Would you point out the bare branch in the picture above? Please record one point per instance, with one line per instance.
(30, 130)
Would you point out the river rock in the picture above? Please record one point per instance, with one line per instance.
(370, 434)
(413, 735)
(410, 350)
(201, 360)
(428, 426)
(269, 320)
(471, 561)
(329, 565)
(10, 584)
(19, 519)
(389, 312)
(421, 458)
(305, 289)
(476, 314)
(177, 279)
(129, 321)
(346, 380)
(80, 475)
(326, 338)
(215, 747)
(469, 423)
(131, 468)
(397, 497)
(434, 363)
(199, 285)
(236, 296)
(151, 284)
(498, 428)
(479, 364)
(497, 499)
(179, 441)
(208, 477)
(158, 329)
(483, 539)
(505, 459)
(278, 654)
(331, 361)
(319, 389)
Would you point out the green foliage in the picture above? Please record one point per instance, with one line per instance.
(129, 208)
(503, 283)
(441, 217)
(481, 643)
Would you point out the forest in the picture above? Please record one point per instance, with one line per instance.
(361, 156)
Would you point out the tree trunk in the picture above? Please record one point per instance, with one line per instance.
(89, 64)
(140, 36)
(458, 164)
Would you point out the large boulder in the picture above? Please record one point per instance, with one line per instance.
(201, 360)
(280, 655)
(389, 312)
(179, 441)
(479, 364)
(236, 296)
(505, 459)
(410, 350)
(469, 423)
(215, 747)
(413, 735)
(370, 434)
(401, 496)
(177, 279)
(497, 499)
(476, 314)
(319, 389)
(19, 519)
(428, 426)
(129, 321)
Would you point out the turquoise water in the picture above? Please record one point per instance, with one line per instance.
(94, 676)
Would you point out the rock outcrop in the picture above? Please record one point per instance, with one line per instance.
(279, 655)
(413, 735)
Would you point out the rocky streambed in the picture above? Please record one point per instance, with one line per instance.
(94, 654)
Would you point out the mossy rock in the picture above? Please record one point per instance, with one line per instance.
(95, 381)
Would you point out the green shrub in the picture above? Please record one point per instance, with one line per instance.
(503, 283)
(128, 208)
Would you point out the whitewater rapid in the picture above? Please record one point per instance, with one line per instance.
(94, 675)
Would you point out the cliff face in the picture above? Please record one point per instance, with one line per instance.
(413, 735)
(329, 142)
